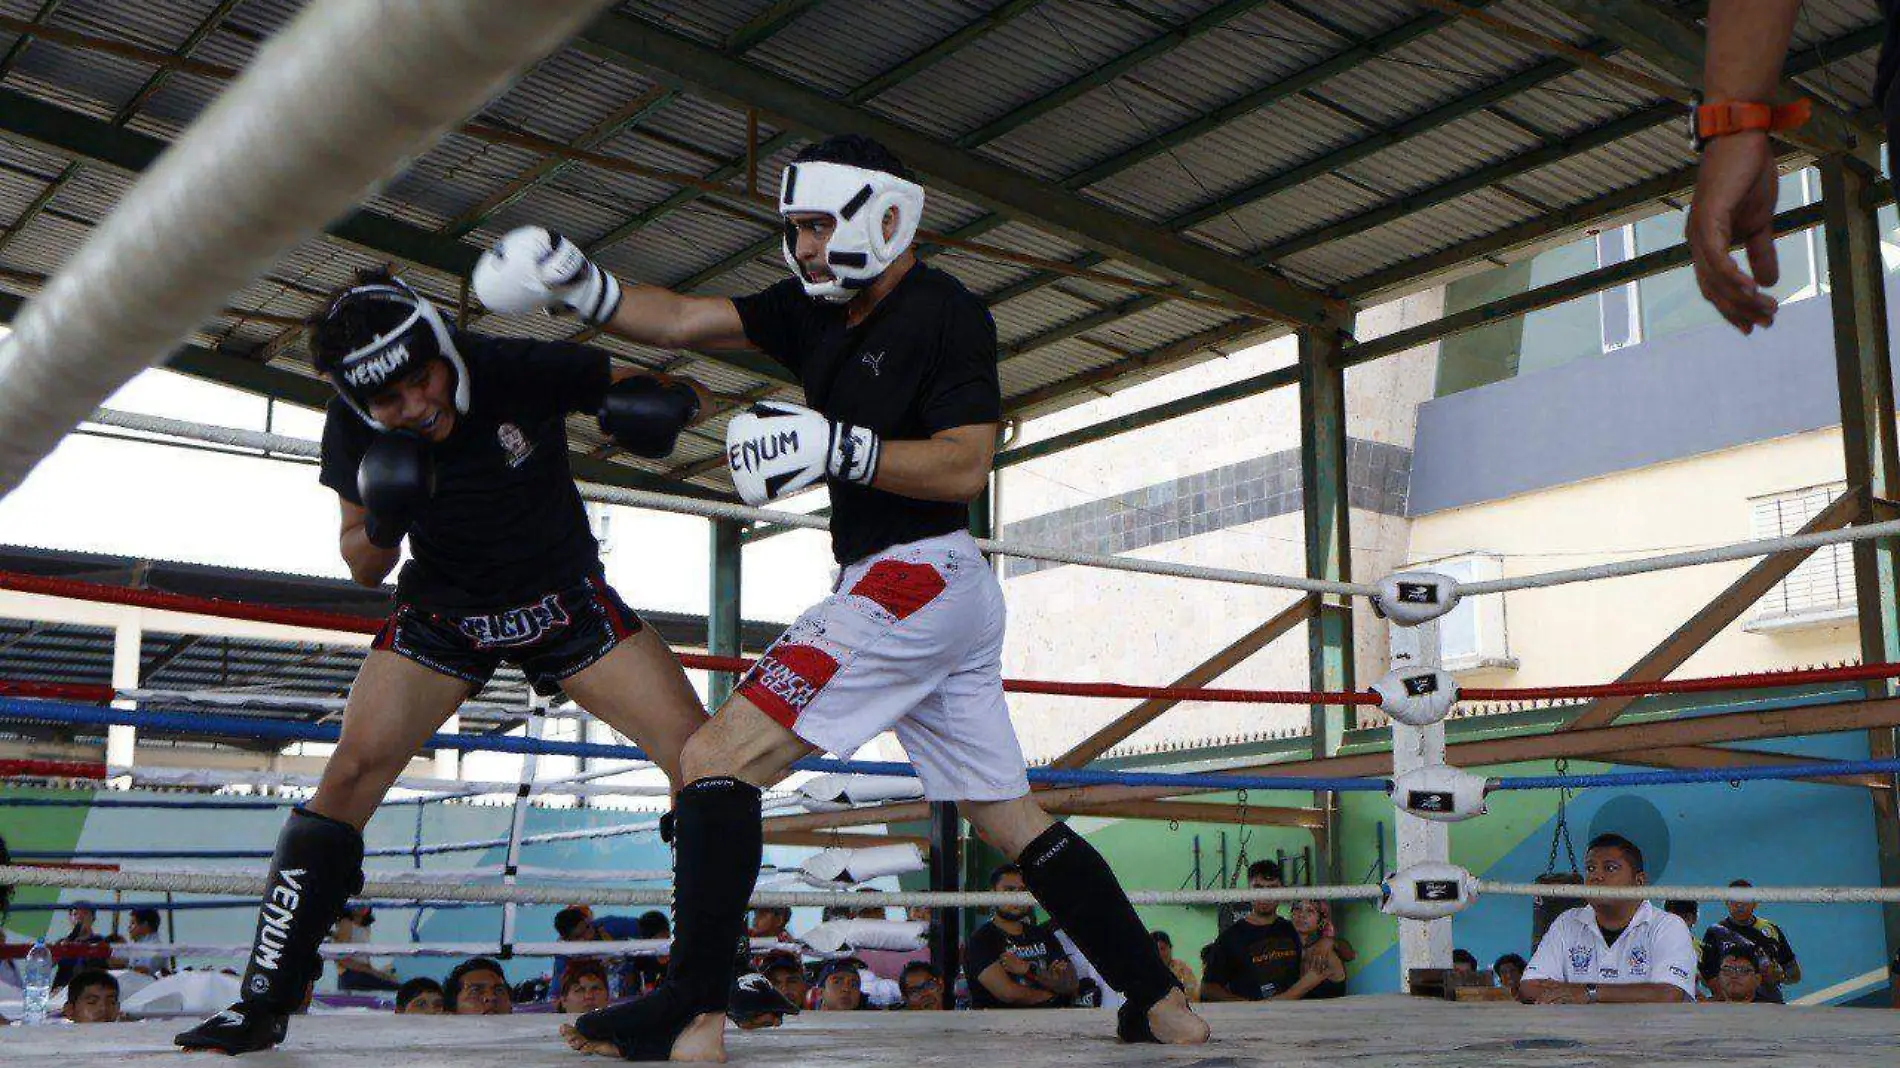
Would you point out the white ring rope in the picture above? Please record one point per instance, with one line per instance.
(334, 950)
(440, 789)
(197, 882)
(329, 107)
(1693, 558)
(299, 702)
(661, 502)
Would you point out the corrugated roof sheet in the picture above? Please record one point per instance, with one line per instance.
(835, 46)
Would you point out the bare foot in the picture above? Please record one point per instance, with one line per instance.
(581, 1043)
(703, 1041)
(1174, 1023)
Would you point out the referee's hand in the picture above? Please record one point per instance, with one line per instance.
(1734, 204)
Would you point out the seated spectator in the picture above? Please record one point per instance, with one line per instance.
(583, 987)
(477, 988)
(1742, 928)
(1322, 973)
(1178, 967)
(840, 989)
(576, 923)
(92, 997)
(83, 915)
(868, 912)
(1510, 970)
(1258, 955)
(1010, 961)
(144, 928)
(1463, 965)
(1612, 951)
(420, 996)
(923, 986)
(1739, 978)
(787, 976)
(360, 973)
(757, 1004)
(773, 922)
(1687, 911)
(1091, 992)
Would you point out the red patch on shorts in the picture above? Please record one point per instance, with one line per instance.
(899, 588)
(783, 682)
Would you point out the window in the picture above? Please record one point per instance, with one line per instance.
(1472, 635)
(1819, 592)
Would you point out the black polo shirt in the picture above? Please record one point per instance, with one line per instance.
(1764, 940)
(987, 945)
(922, 362)
(1255, 961)
(506, 525)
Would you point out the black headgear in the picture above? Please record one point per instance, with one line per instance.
(419, 337)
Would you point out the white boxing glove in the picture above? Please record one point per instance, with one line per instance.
(774, 449)
(534, 269)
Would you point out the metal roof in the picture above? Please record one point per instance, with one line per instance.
(1323, 150)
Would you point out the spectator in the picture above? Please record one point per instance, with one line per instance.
(144, 929)
(922, 984)
(1183, 974)
(7, 973)
(787, 976)
(1739, 977)
(840, 988)
(92, 997)
(583, 988)
(773, 922)
(1010, 961)
(360, 973)
(1743, 928)
(1687, 911)
(644, 971)
(1258, 955)
(576, 923)
(477, 988)
(1893, 978)
(1322, 973)
(1612, 951)
(1510, 970)
(868, 912)
(420, 996)
(83, 916)
(1463, 964)
(756, 1004)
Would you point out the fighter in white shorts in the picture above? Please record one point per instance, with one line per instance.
(899, 362)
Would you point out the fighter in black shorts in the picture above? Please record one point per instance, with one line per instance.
(457, 442)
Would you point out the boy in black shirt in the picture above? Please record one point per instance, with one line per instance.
(458, 443)
(1012, 962)
(898, 363)
(1258, 955)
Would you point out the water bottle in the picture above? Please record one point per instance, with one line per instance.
(37, 974)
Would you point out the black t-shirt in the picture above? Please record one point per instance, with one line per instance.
(985, 947)
(506, 525)
(1762, 939)
(922, 362)
(1255, 961)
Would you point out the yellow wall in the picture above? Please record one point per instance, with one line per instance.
(1591, 632)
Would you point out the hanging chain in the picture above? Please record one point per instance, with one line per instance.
(1561, 833)
(1240, 849)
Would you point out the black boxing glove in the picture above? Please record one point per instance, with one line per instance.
(395, 481)
(646, 415)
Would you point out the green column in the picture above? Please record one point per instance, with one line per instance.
(722, 607)
(1864, 371)
(1328, 556)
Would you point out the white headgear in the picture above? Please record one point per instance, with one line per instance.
(857, 198)
(365, 370)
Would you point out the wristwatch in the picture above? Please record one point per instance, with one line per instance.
(1709, 121)
(1590, 993)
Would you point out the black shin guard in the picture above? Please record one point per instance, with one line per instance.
(717, 845)
(720, 844)
(317, 866)
(1081, 893)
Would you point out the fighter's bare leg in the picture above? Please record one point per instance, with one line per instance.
(394, 706)
(640, 690)
(1012, 826)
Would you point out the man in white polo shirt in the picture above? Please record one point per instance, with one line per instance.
(1612, 951)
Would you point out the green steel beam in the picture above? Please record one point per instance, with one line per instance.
(1871, 442)
(767, 23)
(1328, 523)
(637, 44)
(25, 41)
(1160, 413)
(722, 607)
(1108, 72)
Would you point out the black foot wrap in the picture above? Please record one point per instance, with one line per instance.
(241, 1028)
(718, 844)
(642, 1030)
(1081, 893)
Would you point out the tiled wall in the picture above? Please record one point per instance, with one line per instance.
(1378, 477)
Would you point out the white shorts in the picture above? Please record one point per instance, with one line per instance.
(912, 639)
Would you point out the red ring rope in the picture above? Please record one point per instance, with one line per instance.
(51, 769)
